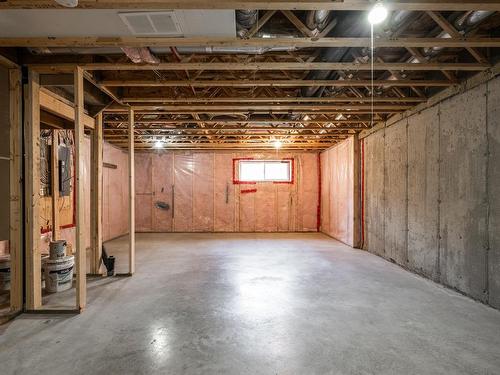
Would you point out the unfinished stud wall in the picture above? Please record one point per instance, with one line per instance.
(199, 189)
(4, 154)
(338, 177)
(432, 194)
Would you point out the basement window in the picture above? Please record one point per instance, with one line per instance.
(265, 171)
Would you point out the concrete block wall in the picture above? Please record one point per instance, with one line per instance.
(432, 192)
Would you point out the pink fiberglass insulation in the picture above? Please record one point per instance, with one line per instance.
(204, 197)
(338, 191)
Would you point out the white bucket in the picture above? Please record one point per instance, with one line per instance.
(57, 249)
(58, 274)
(4, 275)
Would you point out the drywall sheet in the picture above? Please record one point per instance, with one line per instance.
(493, 126)
(463, 209)
(395, 169)
(337, 170)
(374, 193)
(423, 192)
(206, 199)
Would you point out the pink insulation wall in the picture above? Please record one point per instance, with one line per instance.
(115, 197)
(199, 189)
(115, 192)
(339, 192)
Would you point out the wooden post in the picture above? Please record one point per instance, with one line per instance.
(16, 253)
(131, 184)
(32, 189)
(55, 186)
(81, 258)
(356, 241)
(96, 195)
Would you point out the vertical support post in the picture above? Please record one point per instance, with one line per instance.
(32, 191)
(96, 195)
(55, 185)
(16, 253)
(356, 240)
(131, 185)
(81, 287)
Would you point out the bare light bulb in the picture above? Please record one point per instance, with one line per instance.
(378, 14)
(158, 144)
(277, 144)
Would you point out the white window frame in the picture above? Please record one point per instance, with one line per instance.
(264, 162)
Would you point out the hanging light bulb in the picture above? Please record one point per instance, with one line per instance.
(158, 144)
(378, 14)
(68, 3)
(277, 144)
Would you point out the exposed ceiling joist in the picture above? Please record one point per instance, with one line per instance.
(456, 42)
(441, 5)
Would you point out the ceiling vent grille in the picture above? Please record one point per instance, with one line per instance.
(152, 23)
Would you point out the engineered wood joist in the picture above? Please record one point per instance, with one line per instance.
(228, 66)
(442, 5)
(275, 99)
(328, 42)
(275, 83)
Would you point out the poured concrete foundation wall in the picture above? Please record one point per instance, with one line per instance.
(202, 196)
(339, 192)
(432, 194)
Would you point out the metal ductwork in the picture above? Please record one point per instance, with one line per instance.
(463, 24)
(317, 20)
(245, 20)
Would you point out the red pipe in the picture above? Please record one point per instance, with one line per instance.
(318, 219)
(362, 193)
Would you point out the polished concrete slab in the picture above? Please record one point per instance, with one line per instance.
(258, 304)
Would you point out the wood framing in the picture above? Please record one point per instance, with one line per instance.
(56, 105)
(442, 5)
(32, 189)
(309, 42)
(16, 225)
(54, 184)
(96, 195)
(131, 186)
(81, 259)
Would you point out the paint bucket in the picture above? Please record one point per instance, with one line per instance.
(57, 249)
(59, 274)
(4, 274)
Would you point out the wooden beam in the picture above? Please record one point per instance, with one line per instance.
(131, 187)
(257, 66)
(96, 195)
(277, 83)
(207, 108)
(32, 188)
(275, 100)
(81, 258)
(457, 41)
(261, 22)
(53, 103)
(54, 174)
(15, 223)
(224, 122)
(448, 27)
(421, 5)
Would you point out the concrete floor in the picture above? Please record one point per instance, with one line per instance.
(258, 304)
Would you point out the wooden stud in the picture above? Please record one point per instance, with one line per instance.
(131, 182)
(32, 189)
(81, 258)
(96, 194)
(54, 174)
(16, 233)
